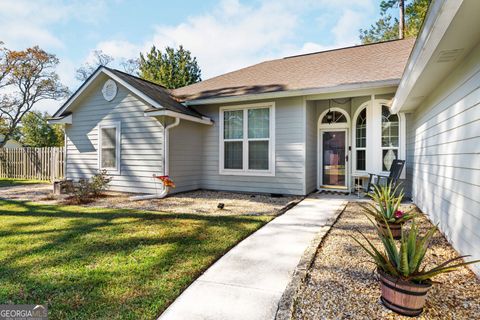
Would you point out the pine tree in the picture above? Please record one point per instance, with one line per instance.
(171, 68)
(387, 28)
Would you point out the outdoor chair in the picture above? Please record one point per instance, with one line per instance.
(392, 178)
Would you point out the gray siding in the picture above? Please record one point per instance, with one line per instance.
(289, 153)
(311, 147)
(444, 149)
(186, 155)
(141, 139)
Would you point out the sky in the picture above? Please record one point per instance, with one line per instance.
(224, 35)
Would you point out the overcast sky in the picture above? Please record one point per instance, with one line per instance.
(224, 35)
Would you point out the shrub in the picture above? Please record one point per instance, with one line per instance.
(86, 190)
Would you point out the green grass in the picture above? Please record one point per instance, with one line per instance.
(8, 182)
(92, 263)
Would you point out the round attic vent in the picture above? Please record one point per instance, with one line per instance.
(109, 90)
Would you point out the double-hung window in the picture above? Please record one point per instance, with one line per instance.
(390, 138)
(109, 147)
(247, 139)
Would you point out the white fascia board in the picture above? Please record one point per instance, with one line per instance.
(294, 93)
(437, 21)
(114, 77)
(64, 120)
(169, 113)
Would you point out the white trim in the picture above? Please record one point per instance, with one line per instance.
(118, 144)
(294, 93)
(356, 172)
(169, 113)
(320, 184)
(130, 88)
(439, 16)
(63, 120)
(271, 154)
(342, 126)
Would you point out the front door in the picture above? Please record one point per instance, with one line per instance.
(333, 167)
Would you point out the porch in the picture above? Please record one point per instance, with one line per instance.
(350, 137)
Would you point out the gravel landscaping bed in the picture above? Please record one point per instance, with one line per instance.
(198, 202)
(341, 282)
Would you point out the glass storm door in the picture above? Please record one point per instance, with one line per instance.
(334, 156)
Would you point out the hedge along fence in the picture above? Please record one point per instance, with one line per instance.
(32, 163)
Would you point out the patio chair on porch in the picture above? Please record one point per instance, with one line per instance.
(393, 177)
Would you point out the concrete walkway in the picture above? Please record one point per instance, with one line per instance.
(248, 282)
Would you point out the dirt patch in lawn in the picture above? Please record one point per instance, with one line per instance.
(198, 202)
(341, 283)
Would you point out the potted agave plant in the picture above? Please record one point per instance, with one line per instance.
(403, 282)
(386, 210)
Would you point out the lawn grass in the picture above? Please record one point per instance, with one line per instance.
(93, 263)
(9, 182)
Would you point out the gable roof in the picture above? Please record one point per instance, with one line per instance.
(156, 92)
(372, 63)
(158, 96)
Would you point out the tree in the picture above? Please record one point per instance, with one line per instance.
(26, 78)
(36, 132)
(100, 59)
(411, 17)
(171, 69)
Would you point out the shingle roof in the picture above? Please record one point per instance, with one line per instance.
(358, 64)
(156, 92)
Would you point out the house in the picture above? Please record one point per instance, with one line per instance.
(10, 144)
(294, 125)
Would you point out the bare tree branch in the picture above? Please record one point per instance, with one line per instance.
(30, 77)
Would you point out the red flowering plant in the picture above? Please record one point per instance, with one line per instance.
(167, 182)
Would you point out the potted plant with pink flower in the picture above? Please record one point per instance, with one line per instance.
(386, 209)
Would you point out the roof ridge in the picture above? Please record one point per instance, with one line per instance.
(138, 78)
(346, 48)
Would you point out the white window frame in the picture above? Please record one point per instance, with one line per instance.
(363, 106)
(117, 126)
(398, 147)
(271, 145)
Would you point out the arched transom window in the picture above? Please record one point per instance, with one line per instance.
(334, 117)
(361, 140)
(390, 138)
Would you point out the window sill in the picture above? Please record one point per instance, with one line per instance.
(111, 172)
(249, 173)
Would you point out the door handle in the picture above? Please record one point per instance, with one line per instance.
(346, 158)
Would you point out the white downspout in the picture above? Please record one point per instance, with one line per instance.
(166, 161)
(166, 146)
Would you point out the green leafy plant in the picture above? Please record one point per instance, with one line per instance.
(405, 261)
(387, 205)
(85, 190)
(99, 183)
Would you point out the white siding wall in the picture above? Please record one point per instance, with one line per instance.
(289, 160)
(444, 153)
(141, 139)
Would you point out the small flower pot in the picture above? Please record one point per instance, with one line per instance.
(395, 228)
(403, 297)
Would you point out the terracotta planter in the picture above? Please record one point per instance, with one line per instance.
(395, 228)
(403, 297)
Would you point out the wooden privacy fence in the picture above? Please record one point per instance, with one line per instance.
(32, 163)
